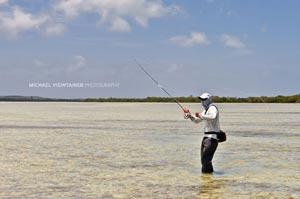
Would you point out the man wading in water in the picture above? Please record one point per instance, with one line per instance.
(210, 116)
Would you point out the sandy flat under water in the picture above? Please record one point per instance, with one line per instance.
(146, 150)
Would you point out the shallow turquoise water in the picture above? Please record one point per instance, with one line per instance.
(140, 150)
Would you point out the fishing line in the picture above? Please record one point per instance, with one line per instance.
(158, 84)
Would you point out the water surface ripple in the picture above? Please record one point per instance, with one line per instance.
(146, 150)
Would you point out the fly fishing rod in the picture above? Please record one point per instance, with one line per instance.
(159, 85)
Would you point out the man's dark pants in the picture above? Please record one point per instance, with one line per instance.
(208, 148)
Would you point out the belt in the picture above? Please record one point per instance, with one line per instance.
(211, 135)
(208, 133)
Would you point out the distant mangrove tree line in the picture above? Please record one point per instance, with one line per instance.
(192, 99)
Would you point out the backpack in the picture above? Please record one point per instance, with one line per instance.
(221, 136)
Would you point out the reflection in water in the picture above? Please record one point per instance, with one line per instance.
(211, 187)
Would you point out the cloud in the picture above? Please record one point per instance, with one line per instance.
(3, 2)
(15, 21)
(195, 38)
(19, 21)
(232, 41)
(120, 25)
(55, 29)
(173, 68)
(79, 64)
(264, 28)
(116, 14)
(38, 63)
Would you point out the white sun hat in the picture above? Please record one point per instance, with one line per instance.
(205, 96)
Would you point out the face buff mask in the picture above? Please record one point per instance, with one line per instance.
(206, 103)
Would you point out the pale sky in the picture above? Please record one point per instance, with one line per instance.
(225, 47)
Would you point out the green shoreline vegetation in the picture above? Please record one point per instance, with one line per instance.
(190, 99)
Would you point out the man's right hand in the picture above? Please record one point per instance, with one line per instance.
(186, 110)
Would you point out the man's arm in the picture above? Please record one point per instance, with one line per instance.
(211, 114)
(194, 119)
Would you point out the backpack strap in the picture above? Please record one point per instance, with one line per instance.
(211, 106)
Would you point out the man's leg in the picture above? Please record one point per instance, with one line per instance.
(208, 149)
